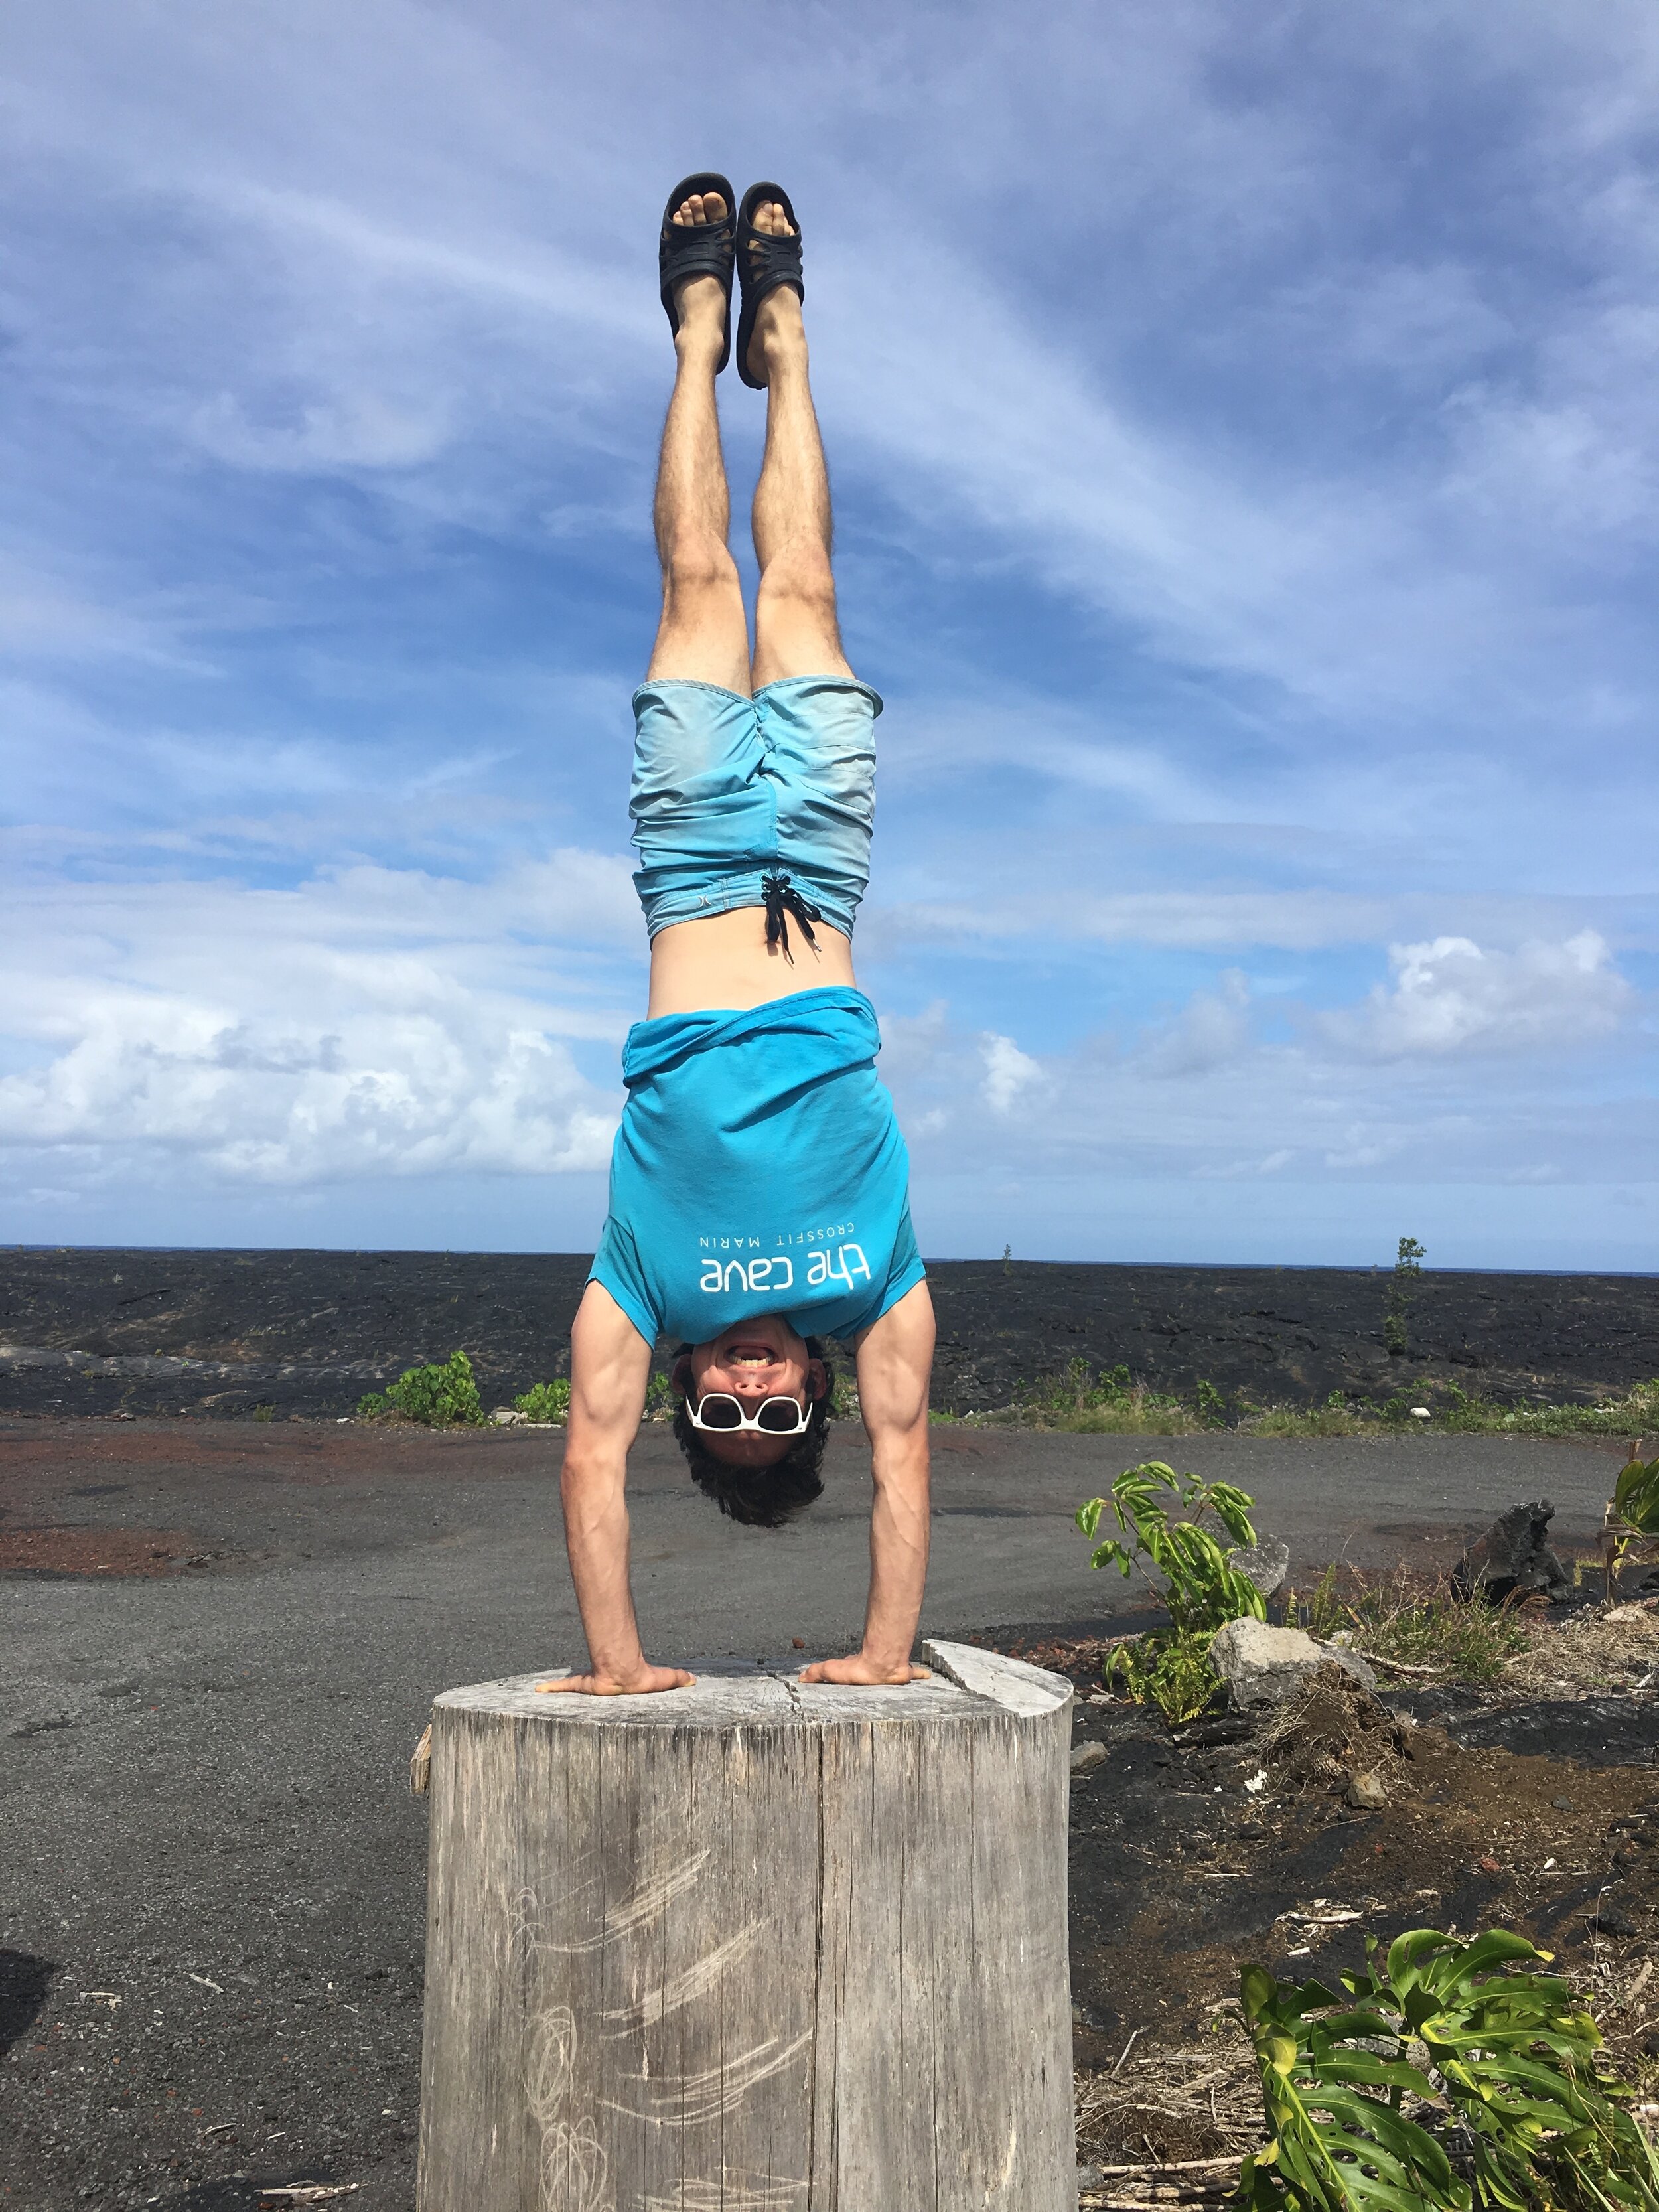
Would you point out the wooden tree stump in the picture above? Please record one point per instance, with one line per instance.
(753, 1946)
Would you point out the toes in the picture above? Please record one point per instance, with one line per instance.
(700, 207)
(713, 207)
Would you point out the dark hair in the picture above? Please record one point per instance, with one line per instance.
(759, 1497)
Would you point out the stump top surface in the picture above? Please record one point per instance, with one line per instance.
(729, 1694)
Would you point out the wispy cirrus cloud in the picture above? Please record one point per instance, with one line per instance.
(1244, 448)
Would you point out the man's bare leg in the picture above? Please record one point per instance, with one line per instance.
(795, 628)
(702, 635)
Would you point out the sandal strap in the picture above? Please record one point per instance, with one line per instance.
(764, 259)
(777, 261)
(701, 251)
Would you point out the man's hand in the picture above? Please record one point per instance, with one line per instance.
(859, 1672)
(635, 1685)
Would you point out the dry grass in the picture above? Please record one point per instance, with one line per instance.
(1160, 2110)
(1590, 1651)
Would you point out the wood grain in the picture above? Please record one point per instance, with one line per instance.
(754, 1946)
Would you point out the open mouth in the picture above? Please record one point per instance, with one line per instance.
(749, 1353)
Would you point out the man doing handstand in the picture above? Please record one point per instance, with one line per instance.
(759, 1186)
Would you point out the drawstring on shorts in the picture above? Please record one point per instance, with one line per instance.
(783, 899)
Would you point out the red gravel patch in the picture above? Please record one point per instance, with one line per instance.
(100, 1551)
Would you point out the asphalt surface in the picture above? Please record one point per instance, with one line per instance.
(213, 1872)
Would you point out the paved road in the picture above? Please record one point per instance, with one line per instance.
(213, 1874)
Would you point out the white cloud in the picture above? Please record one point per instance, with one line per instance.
(377, 1022)
(1211, 1029)
(1449, 996)
(380, 1094)
(1008, 1073)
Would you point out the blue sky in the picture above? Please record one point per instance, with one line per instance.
(1243, 429)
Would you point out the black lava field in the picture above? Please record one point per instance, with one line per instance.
(306, 1333)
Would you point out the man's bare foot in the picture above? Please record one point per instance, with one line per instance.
(778, 319)
(701, 299)
(861, 1674)
(646, 1681)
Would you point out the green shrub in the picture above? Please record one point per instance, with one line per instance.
(546, 1401)
(1507, 2056)
(1166, 1669)
(437, 1397)
(1108, 1402)
(1199, 1589)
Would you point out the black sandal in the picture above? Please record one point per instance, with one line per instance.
(697, 249)
(763, 262)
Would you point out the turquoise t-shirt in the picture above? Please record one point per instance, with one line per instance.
(759, 1169)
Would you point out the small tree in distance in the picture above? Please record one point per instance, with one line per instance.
(1407, 1266)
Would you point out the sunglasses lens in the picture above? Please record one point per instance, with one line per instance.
(781, 1415)
(717, 1411)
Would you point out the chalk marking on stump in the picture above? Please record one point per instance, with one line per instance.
(684, 1989)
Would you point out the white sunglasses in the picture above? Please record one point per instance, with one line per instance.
(722, 1414)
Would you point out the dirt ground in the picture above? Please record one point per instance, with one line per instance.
(1195, 1851)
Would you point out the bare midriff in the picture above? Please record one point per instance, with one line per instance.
(725, 961)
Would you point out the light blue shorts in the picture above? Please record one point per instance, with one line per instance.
(728, 790)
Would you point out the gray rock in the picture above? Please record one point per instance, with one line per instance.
(1087, 1756)
(1264, 1665)
(1266, 1564)
(507, 1417)
(1366, 1793)
(1513, 1557)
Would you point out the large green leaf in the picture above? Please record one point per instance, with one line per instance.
(1636, 1496)
(1511, 2056)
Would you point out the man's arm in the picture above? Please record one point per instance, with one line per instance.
(610, 1370)
(895, 1365)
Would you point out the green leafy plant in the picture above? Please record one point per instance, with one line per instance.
(1636, 1496)
(1199, 1589)
(546, 1401)
(1211, 1406)
(660, 1398)
(1166, 1669)
(438, 1397)
(1508, 2056)
(265, 1412)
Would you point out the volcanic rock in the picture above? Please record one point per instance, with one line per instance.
(1265, 1563)
(1263, 1666)
(1513, 1557)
